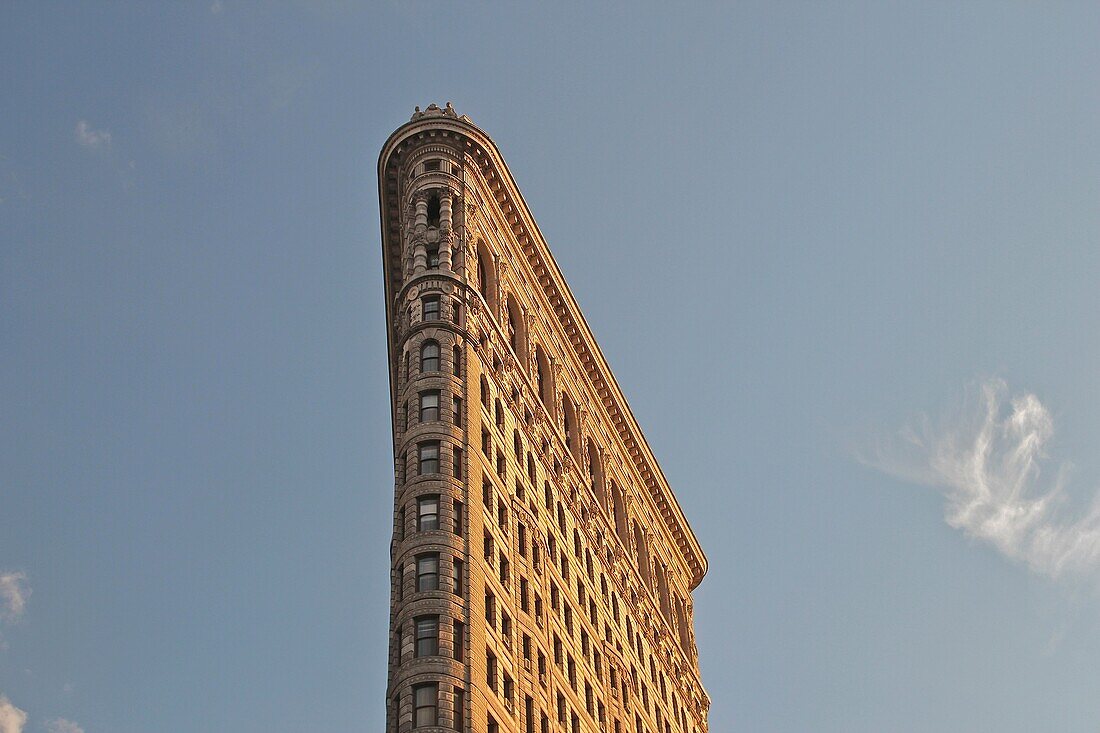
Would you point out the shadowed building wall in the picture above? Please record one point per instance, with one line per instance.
(542, 569)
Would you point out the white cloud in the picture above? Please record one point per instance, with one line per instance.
(91, 138)
(14, 593)
(12, 719)
(60, 725)
(987, 459)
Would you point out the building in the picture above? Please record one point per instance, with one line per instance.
(542, 569)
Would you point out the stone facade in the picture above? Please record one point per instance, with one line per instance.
(542, 569)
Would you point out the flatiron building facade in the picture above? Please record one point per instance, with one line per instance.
(542, 570)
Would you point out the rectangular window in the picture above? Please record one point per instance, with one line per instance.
(425, 703)
(429, 457)
(427, 513)
(490, 609)
(491, 670)
(456, 577)
(456, 359)
(459, 640)
(433, 258)
(456, 403)
(427, 636)
(430, 308)
(457, 462)
(429, 406)
(458, 508)
(460, 708)
(427, 572)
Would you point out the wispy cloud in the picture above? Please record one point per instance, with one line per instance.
(14, 593)
(61, 725)
(91, 138)
(988, 459)
(12, 719)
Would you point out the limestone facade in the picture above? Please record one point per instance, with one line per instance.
(541, 568)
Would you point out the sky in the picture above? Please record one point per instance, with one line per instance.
(842, 258)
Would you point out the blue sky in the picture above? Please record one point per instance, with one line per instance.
(843, 260)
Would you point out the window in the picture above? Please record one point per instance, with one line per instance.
(456, 575)
(430, 309)
(427, 636)
(433, 210)
(429, 406)
(425, 703)
(427, 572)
(431, 165)
(429, 457)
(457, 452)
(456, 403)
(456, 361)
(458, 509)
(429, 357)
(433, 258)
(427, 513)
(459, 640)
(490, 609)
(491, 670)
(460, 707)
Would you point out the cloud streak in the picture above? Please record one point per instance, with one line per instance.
(988, 460)
(91, 138)
(14, 593)
(61, 725)
(12, 719)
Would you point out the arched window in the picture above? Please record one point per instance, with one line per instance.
(595, 474)
(429, 356)
(486, 276)
(542, 377)
(642, 550)
(618, 514)
(662, 591)
(681, 626)
(516, 329)
(570, 426)
(512, 336)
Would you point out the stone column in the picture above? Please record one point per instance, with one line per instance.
(446, 229)
(420, 252)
